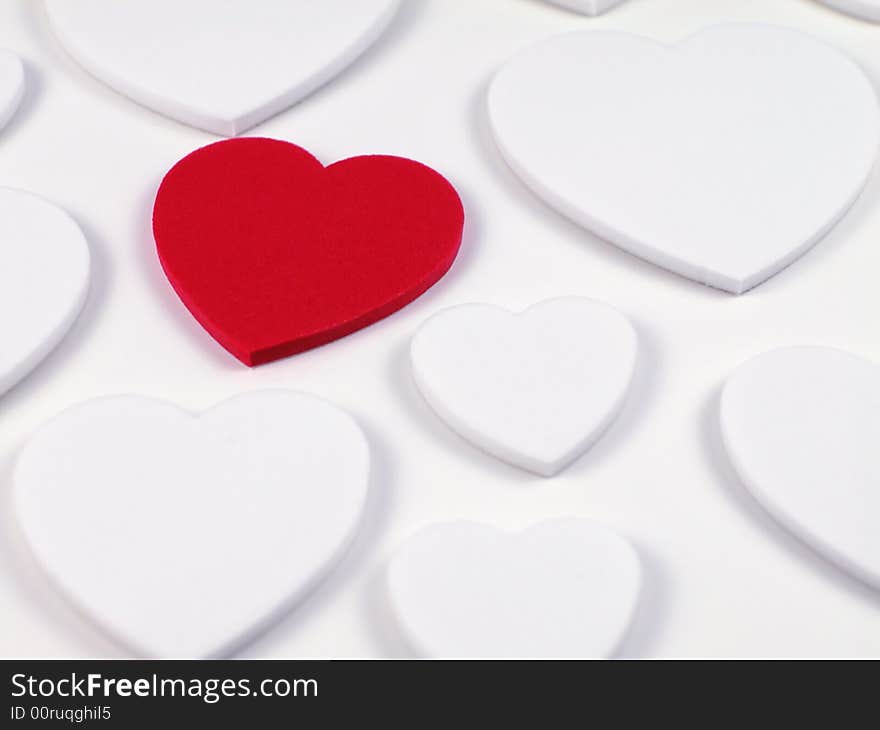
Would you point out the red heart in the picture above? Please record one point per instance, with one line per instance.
(275, 254)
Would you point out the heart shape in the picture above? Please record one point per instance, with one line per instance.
(562, 588)
(44, 280)
(586, 7)
(11, 85)
(183, 536)
(801, 426)
(275, 254)
(219, 65)
(867, 9)
(535, 389)
(722, 158)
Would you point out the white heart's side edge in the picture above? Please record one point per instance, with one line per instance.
(679, 267)
(235, 643)
(421, 648)
(9, 106)
(586, 7)
(30, 360)
(855, 8)
(486, 443)
(226, 127)
(766, 500)
(643, 250)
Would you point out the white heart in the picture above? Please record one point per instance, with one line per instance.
(802, 427)
(722, 158)
(183, 536)
(867, 9)
(535, 389)
(587, 7)
(220, 65)
(562, 588)
(11, 85)
(44, 280)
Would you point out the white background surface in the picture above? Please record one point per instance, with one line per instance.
(722, 578)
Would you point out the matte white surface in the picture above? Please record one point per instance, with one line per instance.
(219, 65)
(722, 158)
(182, 536)
(586, 7)
(867, 9)
(802, 428)
(44, 280)
(562, 588)
(720, 577)
(11, 85)
(536, 388)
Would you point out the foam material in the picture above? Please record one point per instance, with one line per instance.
(866, 9)
(722, 158)
(183, 536)
(275, 254)
(801, 426)
(220, 65)
(12, 85)
(535, 389)
(44, 281)
(587, 7)
(562, 588)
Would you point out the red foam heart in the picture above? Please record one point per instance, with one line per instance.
(275, 254)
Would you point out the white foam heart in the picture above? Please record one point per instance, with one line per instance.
(220, 65)
(11, 85)
(867, 9)
(562, 588)
(722, 158)
(44, 280)
(535, 389)
(801, 426)
(587, 7)
(182, 536)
